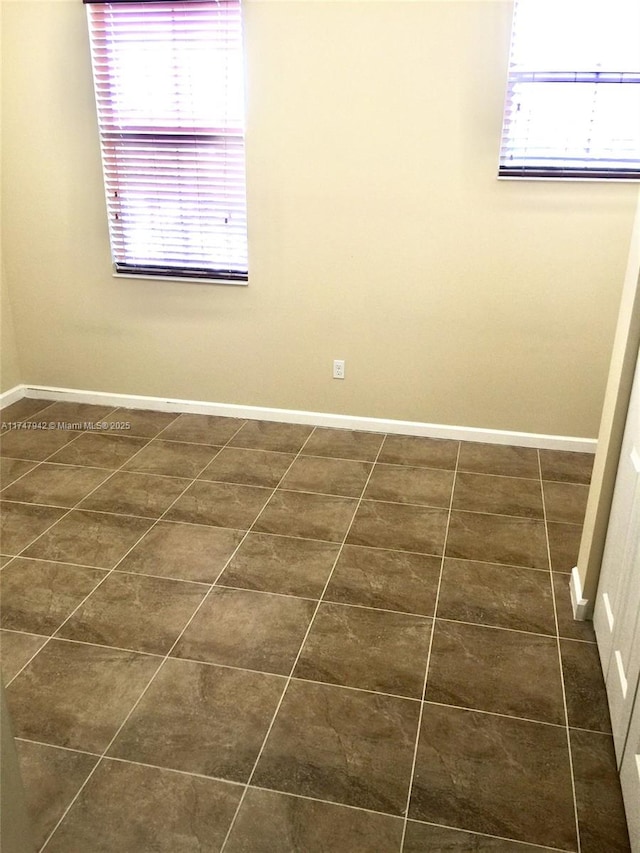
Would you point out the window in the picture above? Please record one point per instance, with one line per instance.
(169, 86)
(573, 96)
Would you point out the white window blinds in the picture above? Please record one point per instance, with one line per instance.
(573, 97)
(170, 96)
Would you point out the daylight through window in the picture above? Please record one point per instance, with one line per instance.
(573, 98)
(170, 97)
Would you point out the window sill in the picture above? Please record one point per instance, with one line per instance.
(185, 280)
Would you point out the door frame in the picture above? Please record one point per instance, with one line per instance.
(626, 348)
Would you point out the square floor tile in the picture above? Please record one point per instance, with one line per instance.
(201, 719)
(203, 429)
(79, 416)
(497, 539)
(219, 504)
(369, 649)
(601, 815)
(89, 539)
(399, 527)
(404, 484)
(136, 494)
(341, 745)
(502, 459)
(248, 467)
(564, 545)
(565, 501)
(16, 650)
(504, 596)
(392, 580)
(490, 669)
(255, 630)
(309, 516)
(21, 523)
(566, 466)
(190, 552)
(344, 444)
(172, 459)
(38, 596)
(52, 777)
(567, 625)
(500, 495)
(137, 422)
(13, 469)
(419, 451)
(269, 821)
(587, 706)
(345, 477)
(170, 812)
(281, 564)
(76, 695)
(422, 837)
(99, 450)
(135, 612)
(35, 444)
(494, 775)
(23, 409)
(268, 435)
(55, 485)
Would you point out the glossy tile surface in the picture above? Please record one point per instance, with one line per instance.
(341, 745)
(399, 527)
(248, 629)
(215, 629)
(89, 538)
(189, 552)
(498, 539)
(489, 669)
(37, 596)
(270, 821)
(370, 649)
(219, 504)
(281, 564)
(204, 719)
(494, 775)
(76, 695)
(392, 580)
(491, 594)
(51, 777)
(135, 612)
(169, 812)
(55, 485)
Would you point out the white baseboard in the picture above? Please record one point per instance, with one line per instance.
(581, 606)
(324, 419)
(12, 395)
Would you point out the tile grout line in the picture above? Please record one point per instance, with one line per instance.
(214, 584)
(564, 694)
(100, 568)
(163, 658)
(428, 661)
(179, 637)
(302, 643)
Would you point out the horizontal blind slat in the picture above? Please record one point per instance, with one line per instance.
(169, 91)
(573, 95)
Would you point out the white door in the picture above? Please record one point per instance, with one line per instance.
(616, 616)
(629, 774)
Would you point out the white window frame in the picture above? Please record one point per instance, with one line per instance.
(172, 137)
(572, 107)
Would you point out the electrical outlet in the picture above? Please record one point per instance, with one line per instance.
(338, 369)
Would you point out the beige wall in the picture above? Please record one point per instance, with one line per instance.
(378, 231)
(9, 370)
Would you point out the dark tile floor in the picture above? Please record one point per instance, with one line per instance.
(252, 636)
